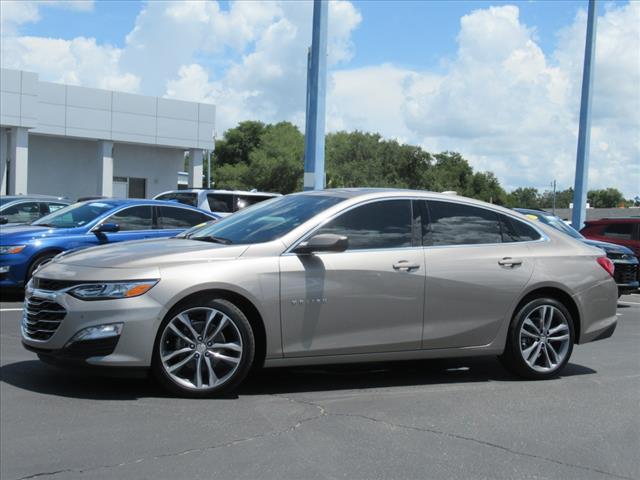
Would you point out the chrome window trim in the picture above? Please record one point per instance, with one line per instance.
(543, 236)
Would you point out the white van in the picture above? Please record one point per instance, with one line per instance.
(221, 202)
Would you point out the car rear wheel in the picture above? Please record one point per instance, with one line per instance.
(540, 340)
(203, 349)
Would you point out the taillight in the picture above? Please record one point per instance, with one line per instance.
(607, 265)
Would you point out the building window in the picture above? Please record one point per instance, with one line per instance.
(129, 187)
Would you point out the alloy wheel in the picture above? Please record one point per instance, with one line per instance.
(201, 348)
(544, 338)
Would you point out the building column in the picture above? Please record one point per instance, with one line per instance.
(4, 154)
(18, 157)
(195, 168)
(105, 168)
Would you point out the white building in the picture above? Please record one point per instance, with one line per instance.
(74, 141)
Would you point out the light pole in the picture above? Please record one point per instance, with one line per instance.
(316, 92)
(584, 132)
(554, 197)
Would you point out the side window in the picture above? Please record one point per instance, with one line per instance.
(458, 224)
(244, 201)
(516, 231)
(21, 213)
(179, 218)
(220, 202)
(133, 218)
(621, 231)
(384, 224)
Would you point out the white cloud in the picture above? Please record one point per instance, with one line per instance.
(507, 106)
(76, 62)
(269, 80)
(501, 100)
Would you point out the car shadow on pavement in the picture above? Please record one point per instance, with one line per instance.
(33, 375)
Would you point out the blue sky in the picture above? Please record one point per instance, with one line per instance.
(412, 33)
(496, 81)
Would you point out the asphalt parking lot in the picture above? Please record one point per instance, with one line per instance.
(455, 419)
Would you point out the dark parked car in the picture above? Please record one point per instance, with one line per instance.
(18, 209)
(622, 231)
(625, 261)
(25, 248)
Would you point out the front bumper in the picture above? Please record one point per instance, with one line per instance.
(140, 317)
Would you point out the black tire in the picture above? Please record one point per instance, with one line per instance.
(246, 359)
(512, 358)
(38, 262)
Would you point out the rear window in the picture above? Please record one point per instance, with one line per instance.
(179, 218)
(188, 198)
(620, 231)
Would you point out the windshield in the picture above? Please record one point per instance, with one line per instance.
(75, 215)
(266, 221)
(559, 224)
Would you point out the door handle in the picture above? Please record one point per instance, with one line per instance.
(405, 266)
(509, 262)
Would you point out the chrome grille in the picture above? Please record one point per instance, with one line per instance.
(41, 318)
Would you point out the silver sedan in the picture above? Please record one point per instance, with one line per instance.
(334, 276)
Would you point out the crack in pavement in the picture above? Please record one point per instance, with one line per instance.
(324, 413)
(460, 437)
(231, 443)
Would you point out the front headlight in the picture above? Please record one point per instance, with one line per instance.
(111, 290)
(9, 249)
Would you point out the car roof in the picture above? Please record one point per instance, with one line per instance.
(117, 202)
(12, 198)
(233, 192)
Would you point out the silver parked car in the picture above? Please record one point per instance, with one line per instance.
(322, 277)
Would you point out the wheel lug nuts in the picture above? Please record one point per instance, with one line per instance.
(209, 344)
(199, 339)
(197, 355)
(192, 345)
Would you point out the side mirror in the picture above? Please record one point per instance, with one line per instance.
(326, 242)
(4, 220)
(107, 228)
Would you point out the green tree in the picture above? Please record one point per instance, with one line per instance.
(527, 197)
(237, 143)
(277, 164)
(606, 198)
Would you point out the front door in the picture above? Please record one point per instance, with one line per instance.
(367, 299)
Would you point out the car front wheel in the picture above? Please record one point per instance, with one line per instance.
(540, 340)
(203, 349)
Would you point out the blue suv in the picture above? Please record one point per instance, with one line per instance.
(85, 224)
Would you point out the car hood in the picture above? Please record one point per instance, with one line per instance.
(150, 253)
(609, 247)
(25, 233)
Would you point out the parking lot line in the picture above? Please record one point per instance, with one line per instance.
(10, 309)
(629, 303)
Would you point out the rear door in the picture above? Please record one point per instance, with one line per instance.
(367, 299)
(475, 271)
